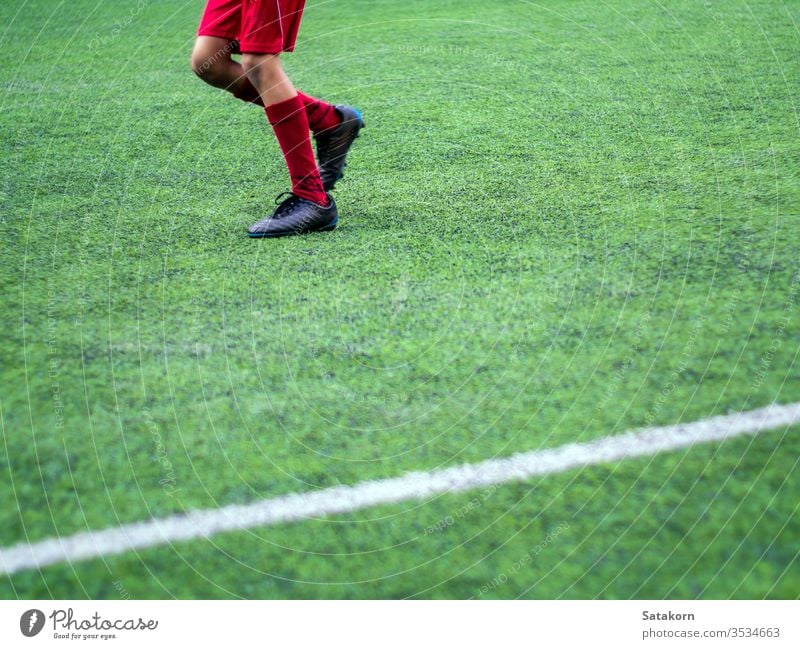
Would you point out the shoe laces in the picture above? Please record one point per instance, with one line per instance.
(287, 205)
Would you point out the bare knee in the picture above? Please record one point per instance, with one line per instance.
(204, 67)
(266, 67)
(210, 58)
(266, 73)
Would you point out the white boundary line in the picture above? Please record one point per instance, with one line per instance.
(412, 486)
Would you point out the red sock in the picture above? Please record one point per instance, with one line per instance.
(247, 92)
(289, 121)
(321, 116)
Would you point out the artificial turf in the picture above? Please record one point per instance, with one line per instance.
(563, 220)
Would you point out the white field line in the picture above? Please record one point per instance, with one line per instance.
(411, 486)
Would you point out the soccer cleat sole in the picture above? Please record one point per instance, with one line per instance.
(328, 228)
(361, 125)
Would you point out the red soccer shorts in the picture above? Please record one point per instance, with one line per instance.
(259, 26)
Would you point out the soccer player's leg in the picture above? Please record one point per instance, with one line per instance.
(212, 59)
(335, 129)
(309, 207)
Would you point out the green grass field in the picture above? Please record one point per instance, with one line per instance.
(564, 220)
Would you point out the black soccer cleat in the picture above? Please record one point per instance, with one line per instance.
(296, 215)
(333, 145)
